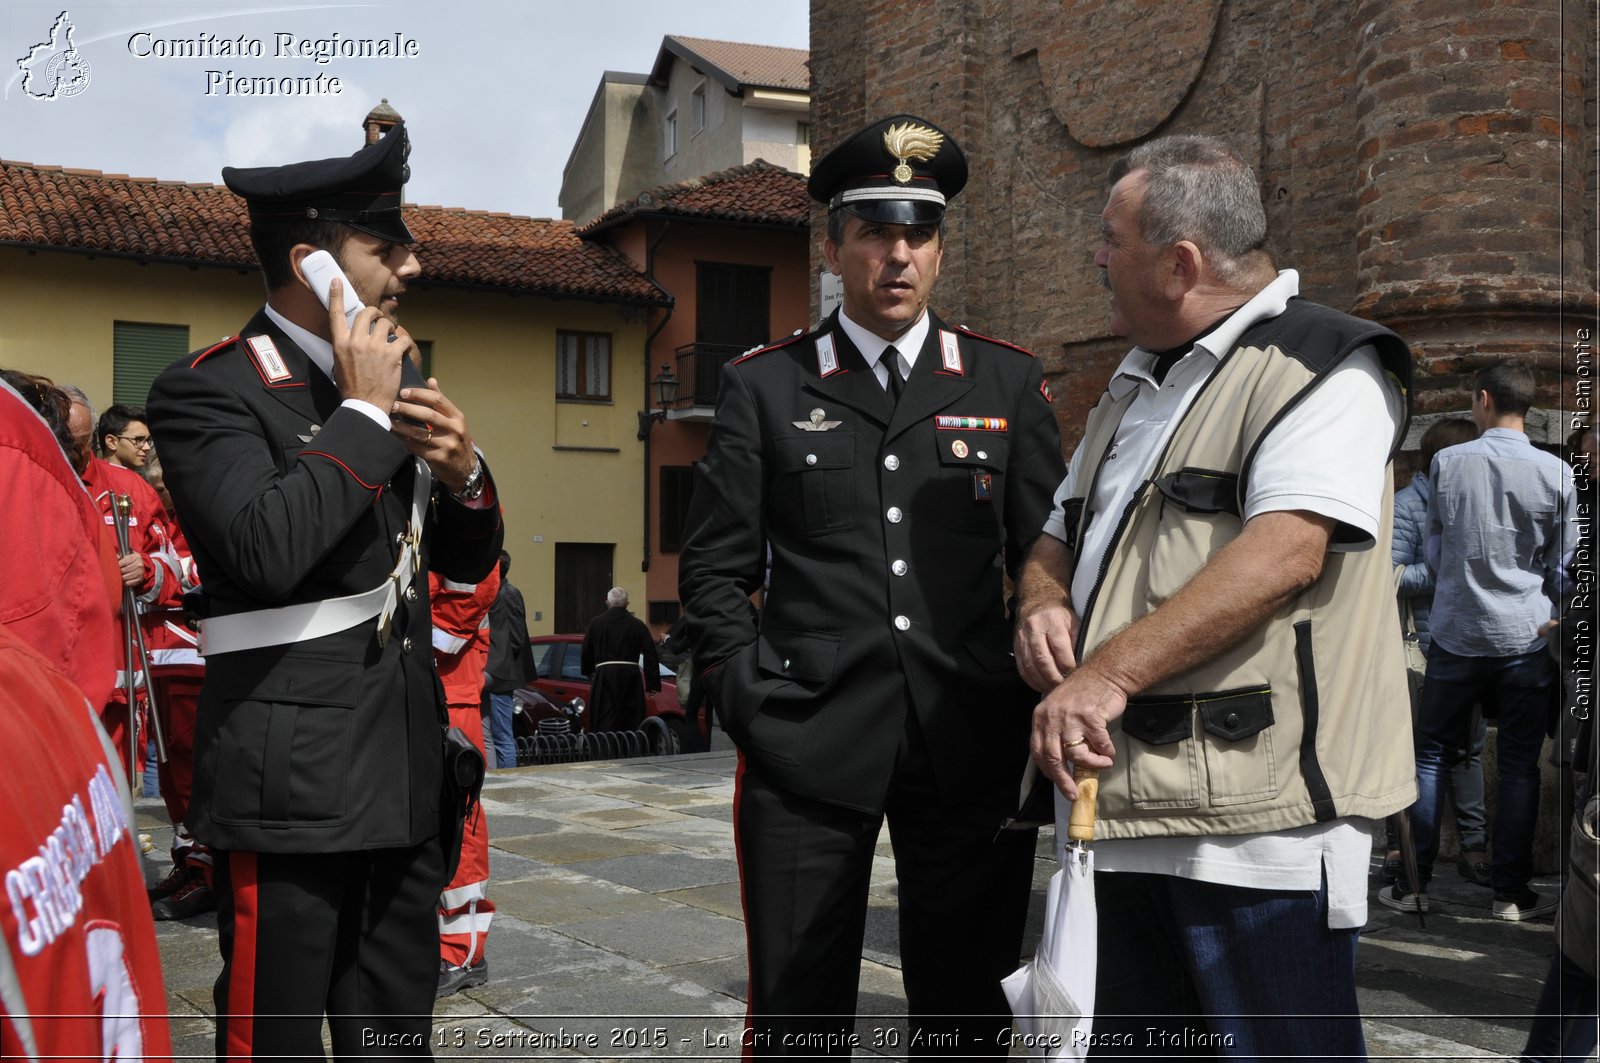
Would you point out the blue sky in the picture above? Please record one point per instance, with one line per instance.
(493, 95)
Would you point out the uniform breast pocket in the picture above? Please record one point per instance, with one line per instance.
(815, 482)
(971, 480)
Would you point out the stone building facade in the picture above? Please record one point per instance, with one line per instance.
(1427, 163)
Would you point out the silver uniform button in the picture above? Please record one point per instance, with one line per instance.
(894, 514)
(898, 568)
(983, 455)
(405, 644)
(811, 459)
(411, 594)
(903, 623)
(892, 462)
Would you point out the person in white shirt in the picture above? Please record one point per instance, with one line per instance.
(1222, 519)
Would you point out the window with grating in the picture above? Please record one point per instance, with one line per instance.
(139, 352)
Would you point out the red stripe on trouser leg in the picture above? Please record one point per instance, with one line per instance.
(242, 963)
(738, 856)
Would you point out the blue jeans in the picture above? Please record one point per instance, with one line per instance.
(1519, 688)
(1466, 791)
(1191, 968)
(500, 733)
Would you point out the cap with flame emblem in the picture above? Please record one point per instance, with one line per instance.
(901, 170)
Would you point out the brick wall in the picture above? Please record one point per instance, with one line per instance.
(1429, 163)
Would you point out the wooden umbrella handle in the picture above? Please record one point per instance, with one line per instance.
(1080, 827)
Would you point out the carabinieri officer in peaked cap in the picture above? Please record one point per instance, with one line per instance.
(898, 467)
(318, 478)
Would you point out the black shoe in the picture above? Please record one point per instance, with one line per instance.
(195, 897)
(1389, 871)
(1478, 872)
(455, 979)
(1401, 899)
(176, 879)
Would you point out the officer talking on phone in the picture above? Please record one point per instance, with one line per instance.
(318, 478)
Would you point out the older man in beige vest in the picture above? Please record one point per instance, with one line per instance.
(1211, 617)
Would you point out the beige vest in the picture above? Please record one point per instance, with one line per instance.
(1306, 720)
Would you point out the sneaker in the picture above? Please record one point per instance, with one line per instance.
(1474, 867)
(1517, 905)
(455, 979)
(192, 899)
(1402, 900)
(1390, 869)
(176, 879)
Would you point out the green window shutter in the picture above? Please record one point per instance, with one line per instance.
(139, 354)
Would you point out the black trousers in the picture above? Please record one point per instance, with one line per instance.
(353, 936)
(804, 869)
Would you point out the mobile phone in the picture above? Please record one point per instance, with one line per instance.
(320, 270)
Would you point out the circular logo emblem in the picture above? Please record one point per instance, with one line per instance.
(67, 74)
(959, 448)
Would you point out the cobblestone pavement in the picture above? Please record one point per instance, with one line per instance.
(618, 935)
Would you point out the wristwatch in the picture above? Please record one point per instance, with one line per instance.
(472, 490)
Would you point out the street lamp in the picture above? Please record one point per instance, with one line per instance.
(664, 388)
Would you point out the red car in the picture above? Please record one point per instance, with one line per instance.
(558, 659)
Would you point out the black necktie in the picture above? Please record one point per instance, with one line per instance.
(897, 383)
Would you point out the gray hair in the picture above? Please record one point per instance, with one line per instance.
(616, 597)
(1199, 189)
(75, 394)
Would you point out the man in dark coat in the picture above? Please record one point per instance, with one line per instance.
(318, 478)
(611, 650)
(897, 468)
(510, 665)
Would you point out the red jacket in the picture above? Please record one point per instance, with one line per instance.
(174, 647)
(147, 524)
(461, 634)
(87, 966)
(60, 586)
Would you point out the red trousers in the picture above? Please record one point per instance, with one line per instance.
(178, 702)
(465, 909)
(114, 718)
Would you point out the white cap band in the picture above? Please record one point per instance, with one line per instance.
(880, 192)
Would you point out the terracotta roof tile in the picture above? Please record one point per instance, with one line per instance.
(757, 193)
(205, 224)
(756, 65)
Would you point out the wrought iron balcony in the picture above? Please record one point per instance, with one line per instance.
(700, 370)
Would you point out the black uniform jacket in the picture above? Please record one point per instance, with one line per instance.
(332, 744)
(891, 529)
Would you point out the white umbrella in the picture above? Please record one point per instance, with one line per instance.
(1052, 995)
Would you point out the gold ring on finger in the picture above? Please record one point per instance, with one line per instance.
(1075, 742)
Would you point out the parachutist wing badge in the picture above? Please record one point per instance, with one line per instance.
(816, 423)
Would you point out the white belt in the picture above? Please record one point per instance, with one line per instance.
(313, 620)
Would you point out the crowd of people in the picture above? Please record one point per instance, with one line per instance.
(291, 565)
